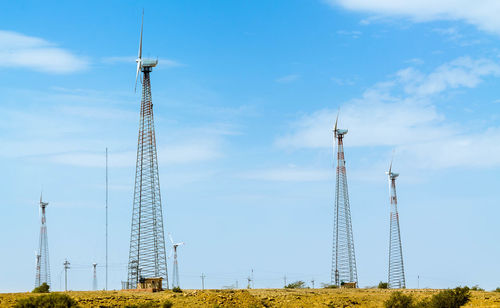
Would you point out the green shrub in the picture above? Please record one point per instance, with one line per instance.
(476, 288)
(329, 286)
(43, 288)
(54, 300)
(383, 285)
(296, 285)
(177, 289)
(399, 300)
(454, 298)
(497, 290)
(167, 304)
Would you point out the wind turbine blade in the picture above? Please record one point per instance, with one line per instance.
(390, 167)
(140, 43)
(336, 121)
(170, 237)
(137, 75)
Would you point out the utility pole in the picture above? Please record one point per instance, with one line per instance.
(312, 281)
(253, 281)
(236, 284)
(284, 281)
(202, 281)
(66, 267)
(106, 219)
(418, 281)
(94, 281)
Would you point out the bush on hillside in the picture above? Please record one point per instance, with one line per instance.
(167, 304)
(453, 298)
(383, 285)
(56, 300)
(177, 289)
(329, 286)
(399, 300)
(43, 288)
(296, 285)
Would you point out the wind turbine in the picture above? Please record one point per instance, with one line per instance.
(175, 279)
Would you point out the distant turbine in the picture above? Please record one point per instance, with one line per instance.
(175, 274)
(396, 268)
(42, 255)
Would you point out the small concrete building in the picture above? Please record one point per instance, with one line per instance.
(150, 284)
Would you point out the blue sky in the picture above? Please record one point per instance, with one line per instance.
(245, 97)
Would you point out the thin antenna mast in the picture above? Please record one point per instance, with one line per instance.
(106, 219)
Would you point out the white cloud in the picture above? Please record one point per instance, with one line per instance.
(409, 121)
(352, 33)
(162, 62)
(72, 127)
(482, 14)
(462, 72)
(289, 174)
(19, 50)
(288, 78)
(192, 151)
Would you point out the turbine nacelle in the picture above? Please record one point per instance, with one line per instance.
(149, 62)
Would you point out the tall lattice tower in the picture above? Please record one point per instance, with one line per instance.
(396, 267)
(147, 257)
(42, 255)
(343, 257)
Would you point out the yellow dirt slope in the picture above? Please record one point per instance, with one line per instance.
(253, 298)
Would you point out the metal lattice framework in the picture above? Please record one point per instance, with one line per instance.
(396, 267)
(147, 257)
(343, 257)
(94, 277)
(175, 279)
(42, 255)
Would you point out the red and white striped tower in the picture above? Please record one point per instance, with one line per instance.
(343, 257)
(396, 267)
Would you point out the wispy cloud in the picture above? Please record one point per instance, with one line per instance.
(351, 33)
(343, 82)
(131, 59)
(289, 174)
(74, 127)
(401, 113)
(288, 78)
(19, 50)
(462, 72)
(482, 14)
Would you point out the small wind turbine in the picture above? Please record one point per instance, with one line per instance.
(175, 281)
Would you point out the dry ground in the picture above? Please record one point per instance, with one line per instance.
(253, 298)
